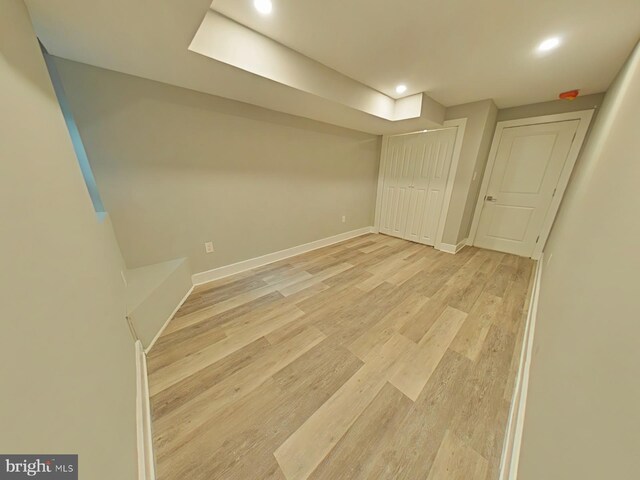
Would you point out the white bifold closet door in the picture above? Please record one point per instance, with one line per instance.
(415, 171)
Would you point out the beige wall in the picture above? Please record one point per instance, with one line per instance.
(582, 418)
(481, 123)
(68, 365)
(177, 168)
(153, 294)
(586, 102)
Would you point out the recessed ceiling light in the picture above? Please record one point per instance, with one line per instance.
(549, 44)
(263, 6)
(401, 89)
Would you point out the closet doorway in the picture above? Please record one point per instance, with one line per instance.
(416, 180)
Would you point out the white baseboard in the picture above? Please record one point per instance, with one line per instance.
(175, 310)
(450, 248)
(513, 435)
(146, 462)
(221, 272)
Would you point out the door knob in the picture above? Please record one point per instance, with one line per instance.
(490, 198)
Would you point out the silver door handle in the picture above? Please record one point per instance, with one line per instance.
(490, 198)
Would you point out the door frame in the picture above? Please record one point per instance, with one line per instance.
(460, 125)
(584, 117)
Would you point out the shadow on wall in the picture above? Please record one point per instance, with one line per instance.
(76, 140)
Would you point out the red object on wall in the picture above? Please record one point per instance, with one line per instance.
(570, 95)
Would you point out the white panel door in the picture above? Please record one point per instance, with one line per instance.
(523, 181)
(398, 174)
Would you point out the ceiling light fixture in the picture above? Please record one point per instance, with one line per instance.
(263, 6)
(400, 89)
(549, 44)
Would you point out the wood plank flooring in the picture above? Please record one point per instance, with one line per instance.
(375, 358)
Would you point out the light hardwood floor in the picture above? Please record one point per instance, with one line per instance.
(375, 358)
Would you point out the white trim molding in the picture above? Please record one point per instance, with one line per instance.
(380, 191)
(243, 266)
(450, 248)
(175, 310)
(515, 424)
(146, 462)
(460, 124)
(584, 116)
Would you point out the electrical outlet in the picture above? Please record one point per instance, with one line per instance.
(208, 247)
(344, 219)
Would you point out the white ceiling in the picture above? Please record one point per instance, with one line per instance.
(456, 51)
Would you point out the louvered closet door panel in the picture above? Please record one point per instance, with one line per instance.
(432, 177)
(418, 190)
(398, 171)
